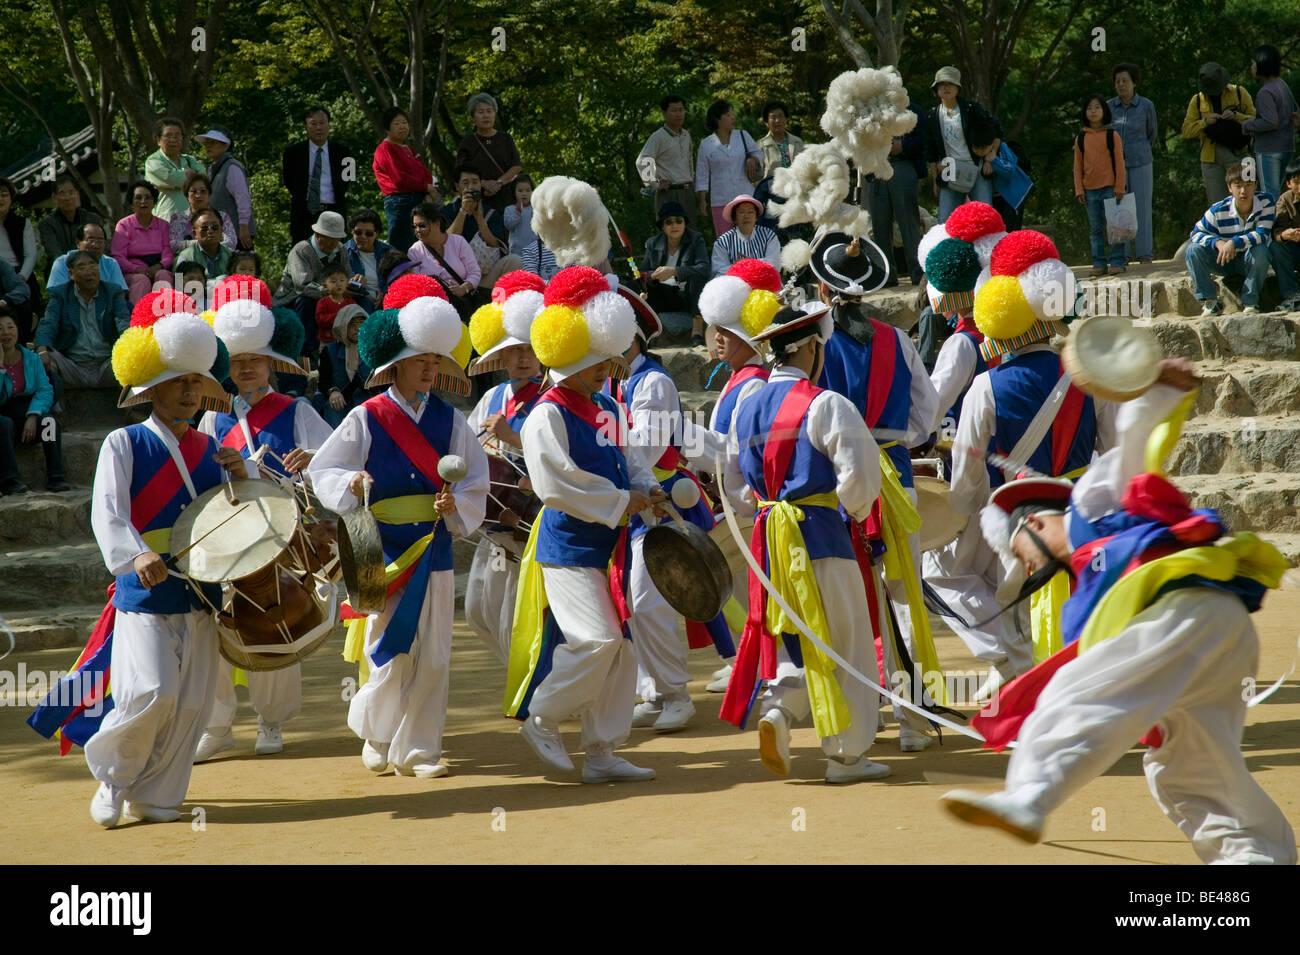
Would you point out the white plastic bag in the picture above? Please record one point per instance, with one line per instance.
(1121, 219)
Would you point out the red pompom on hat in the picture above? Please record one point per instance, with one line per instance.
(974, 220)
(410, 287)
(235, 288)
(519, 280)
(574, 286)
(154, 305)
(757, 274)
(1019, 250)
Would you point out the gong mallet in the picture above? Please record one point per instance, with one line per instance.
(451, 468)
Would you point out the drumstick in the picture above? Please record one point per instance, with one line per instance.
(171, 561)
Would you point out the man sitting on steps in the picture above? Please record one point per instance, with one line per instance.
(1232, 238)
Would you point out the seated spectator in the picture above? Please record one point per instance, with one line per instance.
(14, 293)
(168, 169)
(75, 337)
(365, 251)
(676, 265)
(402, 176)
(334, 279)
(483, 228)
(779, 146)
(90, 238)
(491, 153)
(1098, 176)
(300, 286)
(1232, 238)
(142, 245)
(1284, 250)
(747, 239)
(18, 249)
(59, 229)
(209, 253)
(193, 281)
(198, 192)
(229, 183)
(246, 263)
(447, 257)
(26, 398)
(524, 242)
(394, 265)
(343, 374)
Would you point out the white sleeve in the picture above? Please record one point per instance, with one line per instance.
(835, 428)
(731, 482)
(925, 400)
(336, 461)
(471, 492)
(310, 430)
(719, 263)
(953, 370)
(1107, 424)
(970, 476)
(476, 417)
(557, 481)
(110, 506)
(653, 416)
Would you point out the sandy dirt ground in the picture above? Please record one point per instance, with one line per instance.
(712, 800)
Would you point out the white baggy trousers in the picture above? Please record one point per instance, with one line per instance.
(490, 593)
(276, 695)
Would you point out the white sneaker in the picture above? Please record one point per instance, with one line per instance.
(774, 741)
(998, 810)
(722, 673)
(859, 770)
(269, 740)
(1211, 307)
(609, 768)
(677, 715)
(374, 756)
(992, 683)
(1289, 304)
(720, 684)
(147, 813)
(912, 741)
(646, 714)
(1250, 310)
(106, 805)
(547, 744)
(423, 769)
(211, 743)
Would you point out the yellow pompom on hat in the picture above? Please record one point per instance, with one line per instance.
(1024, 295)
(167, 339)
(744, 300)
(504, 322)
(583, 322)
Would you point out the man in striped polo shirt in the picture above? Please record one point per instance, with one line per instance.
(1232, 239)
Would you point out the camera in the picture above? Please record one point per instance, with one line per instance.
(476, 193)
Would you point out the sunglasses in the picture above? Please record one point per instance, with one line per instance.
(209, 228)
(675, 220)
(364, 235)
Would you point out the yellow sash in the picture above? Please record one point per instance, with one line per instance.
(1046, 602)
(159, 541)
(530, 614)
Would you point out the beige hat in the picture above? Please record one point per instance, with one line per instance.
(330, 224)
(947, 74)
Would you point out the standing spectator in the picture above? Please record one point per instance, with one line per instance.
(728, 165)
(483, 228)
(1214, 117)
(1271, 124)
(779, 146)
(90, 238)
(445, 256)
(1099, 175)
(665, 160)
(677, 265)
(209, 253)
(58, 228)
(142, 244)
(26, 398)
(365, 250)
(894, 200)
(1011, 182)
(300, 285)
(85, 316)
(1135, 120)
(524, 242)
(198, 193)
(402, 176)
(747, 239)
(313, 171)
(958, 173)
(1232, 238)
(229, 183)
(1284, 250)
(18, 249)
(167, 168)
(491, 153)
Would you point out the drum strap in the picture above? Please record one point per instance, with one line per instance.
(1038, 427)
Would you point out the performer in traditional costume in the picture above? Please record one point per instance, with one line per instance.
(1158, 641)
(499, 332)
(391, 445)
(157, 636)
(260, 340)
(806, 452)
(570, 654)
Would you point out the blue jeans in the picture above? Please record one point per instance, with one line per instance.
(1141, 182)
(1202, 264)
(397, 210)
(1096, 205)
(950, 199)
(1270, 172)
(1283, 256)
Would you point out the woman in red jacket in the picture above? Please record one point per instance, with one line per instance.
(403, 178)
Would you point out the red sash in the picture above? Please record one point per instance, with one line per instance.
(745, 373)
(880, 378)
(164, 485)
(261, 414)
(405, 435)
(523, 396)
(784, 433)
(1065, 427)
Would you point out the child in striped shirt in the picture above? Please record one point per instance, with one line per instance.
(1232, 238)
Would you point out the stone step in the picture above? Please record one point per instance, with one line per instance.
(80, 454)
(54, 576)
(1274, 336)
(689, 367)
(1213, 445)
(95, 408)
(65, 626)
(1245, 386)
(1265, 503)
(27, 520)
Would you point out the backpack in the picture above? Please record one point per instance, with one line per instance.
(1110, 144)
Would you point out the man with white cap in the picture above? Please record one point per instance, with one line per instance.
(301, 286)
(387, 453)
(230, 192)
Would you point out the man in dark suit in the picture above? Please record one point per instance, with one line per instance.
(75, 337)
(317, 173)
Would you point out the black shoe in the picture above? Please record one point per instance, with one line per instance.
(57, 486)
(17, 487)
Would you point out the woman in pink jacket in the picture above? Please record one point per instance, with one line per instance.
(142, 245)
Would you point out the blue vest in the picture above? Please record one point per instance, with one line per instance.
(148, 456)
(846, 371)
(497, 405)
(810, 472)
(277, 435)
(396, 476)
(726, 407)
(568, 541)
(1021, 386)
